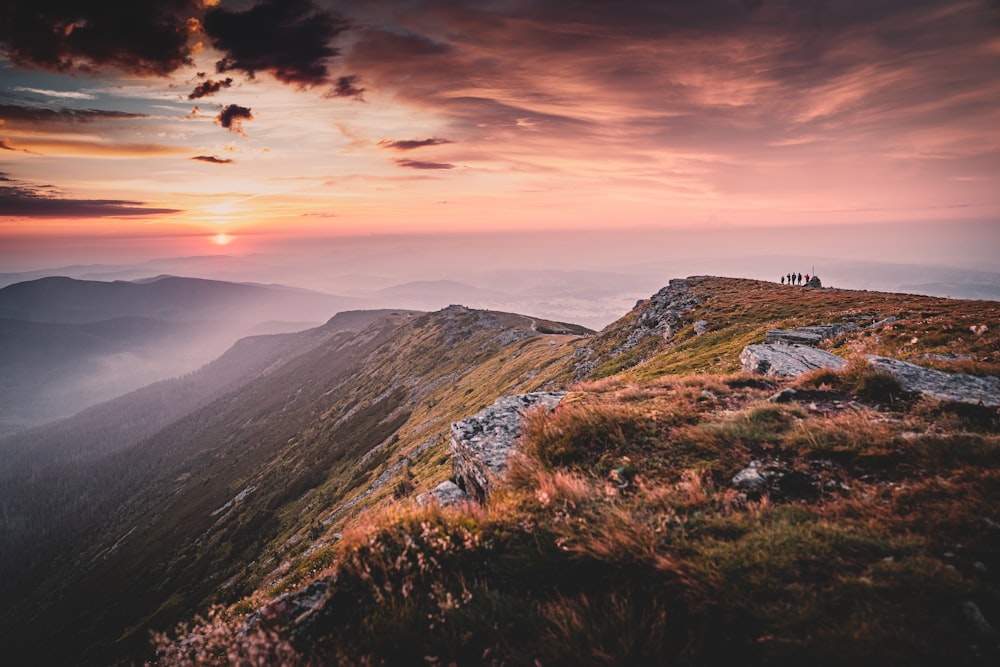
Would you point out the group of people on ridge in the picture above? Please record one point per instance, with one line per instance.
(793, 278)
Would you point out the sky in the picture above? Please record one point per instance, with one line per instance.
(191, 127)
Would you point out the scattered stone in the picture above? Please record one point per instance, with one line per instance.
(291, 607)
(752, 478)
(939, 384)
(700, 327)
(482, 444)
(977, 622)
(784, 396)
(445, 494)
(780, 360)
(813, 335)
(945, 357)
(888, 320)
(777, 478)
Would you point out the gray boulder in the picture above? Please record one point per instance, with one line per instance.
(781, 360)
(482, 444)
(445, 494)
(814, 282)
(752, 478)
(939, 384)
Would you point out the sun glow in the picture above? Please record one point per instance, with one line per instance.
(222, 239)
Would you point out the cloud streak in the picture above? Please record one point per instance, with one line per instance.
(212, 159)
(26, 201)
(48, 115)
(420, 164)
(412, 144)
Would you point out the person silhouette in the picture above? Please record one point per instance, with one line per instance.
(800, 278)
(782, 280)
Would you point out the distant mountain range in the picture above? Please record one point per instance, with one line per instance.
(66, 344)
(168, 298)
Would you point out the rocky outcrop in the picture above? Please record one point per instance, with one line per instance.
(482, 444)
(659, 316)
(445, 494)
(668, 309)
(814, 282)
(775, 478)
(813, 335)
(939, 384)
(781, 360)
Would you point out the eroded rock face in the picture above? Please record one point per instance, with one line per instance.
(781, 360)
(481, 444)
(939, 384)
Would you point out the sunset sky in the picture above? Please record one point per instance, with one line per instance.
(197, 124)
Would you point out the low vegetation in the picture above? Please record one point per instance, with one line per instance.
(671, 510)
(621, 538)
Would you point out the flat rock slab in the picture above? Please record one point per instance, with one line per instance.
(813, 335)
(781, 360)
(482, 444)
(939, 384)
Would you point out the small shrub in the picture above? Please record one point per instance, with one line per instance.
(878, 387)
(872, 385)
(578, 432)
(822, 378)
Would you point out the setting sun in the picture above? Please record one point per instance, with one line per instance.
(222, 239)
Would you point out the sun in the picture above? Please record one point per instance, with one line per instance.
(222, 239)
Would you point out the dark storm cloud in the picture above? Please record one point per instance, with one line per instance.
(288, 38)
(411, 144)
(232, 117)
(148, 37)
(211, 159)
(42, 201)
(26, 114)
(210, 87)
(420, 164)
(347, 86)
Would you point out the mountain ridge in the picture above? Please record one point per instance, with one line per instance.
(621, 509)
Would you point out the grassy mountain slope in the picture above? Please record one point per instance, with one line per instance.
(669, 512)
(230, 497)
(59, 482)
(739, 312)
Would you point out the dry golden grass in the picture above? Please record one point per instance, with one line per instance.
(621, 538)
